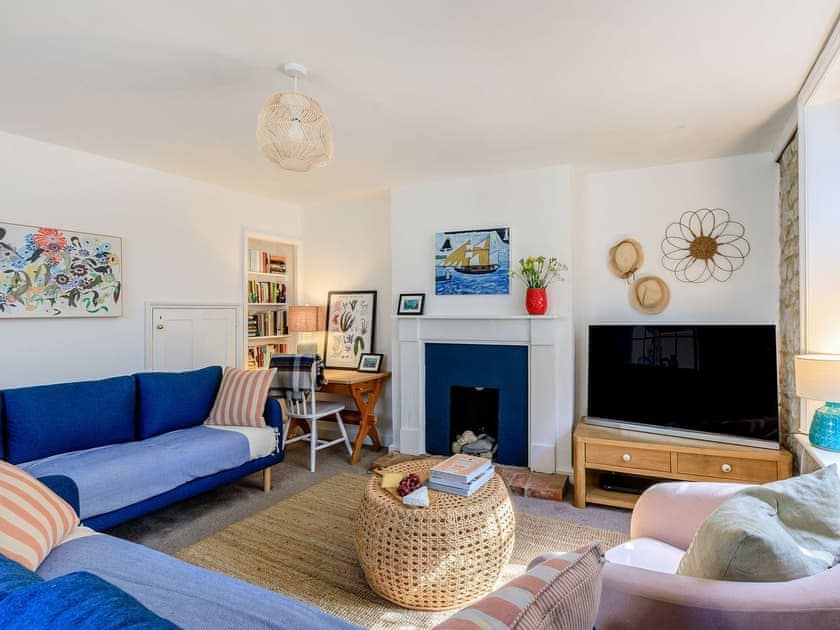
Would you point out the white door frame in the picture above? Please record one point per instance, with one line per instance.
(150, 306)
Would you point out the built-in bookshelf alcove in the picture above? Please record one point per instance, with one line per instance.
(270, 286)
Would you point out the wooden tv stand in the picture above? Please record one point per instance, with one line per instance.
(598, 449)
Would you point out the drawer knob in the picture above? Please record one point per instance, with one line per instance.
(626, 457)
(726, 468)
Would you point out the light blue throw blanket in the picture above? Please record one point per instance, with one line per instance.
(115, 476)
(186, 595)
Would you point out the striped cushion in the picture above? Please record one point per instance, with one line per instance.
(33, 519)
(241, 398)
(561, 593)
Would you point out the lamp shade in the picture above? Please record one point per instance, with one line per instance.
(818, 377)
(307, 318)
(294, 132)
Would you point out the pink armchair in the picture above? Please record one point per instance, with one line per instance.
(641, 590)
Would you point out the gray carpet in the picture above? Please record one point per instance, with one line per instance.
(178, 526)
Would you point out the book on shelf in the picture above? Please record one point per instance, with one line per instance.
(460, 469)
(266, 292)
(260, 261)
(260, 356)
(268, 324)
(463, 489)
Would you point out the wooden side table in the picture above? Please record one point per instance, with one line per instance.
(364, 388)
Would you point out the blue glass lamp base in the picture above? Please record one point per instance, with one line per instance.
(825, 427)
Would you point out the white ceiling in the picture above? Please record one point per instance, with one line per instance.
(416, 89)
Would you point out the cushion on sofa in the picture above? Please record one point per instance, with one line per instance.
(49, 419)
(34, 519)
(81, 601)
(561, 593)
(777, 532)
(167, 401)
(13, 575)
(241, 398)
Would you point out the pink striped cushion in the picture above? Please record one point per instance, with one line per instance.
(33, 519)
(561, 593)
(241, 398)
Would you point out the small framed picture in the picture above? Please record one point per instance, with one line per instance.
(411, 303)
(370, 363)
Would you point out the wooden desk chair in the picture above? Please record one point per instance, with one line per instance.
(297, 380)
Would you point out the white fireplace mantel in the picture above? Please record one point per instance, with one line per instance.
(550, 344)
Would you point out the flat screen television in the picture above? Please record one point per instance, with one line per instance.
(714, 382)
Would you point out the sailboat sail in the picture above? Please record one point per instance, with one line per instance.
(481, 253)
(459, 257)
(471, 260)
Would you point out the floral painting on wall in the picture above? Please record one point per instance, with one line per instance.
(350, 326)
(46, 272)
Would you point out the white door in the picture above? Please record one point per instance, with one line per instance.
(185, 338)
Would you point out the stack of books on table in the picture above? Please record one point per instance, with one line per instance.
(461, 474)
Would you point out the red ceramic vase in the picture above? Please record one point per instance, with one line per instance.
(536, 301)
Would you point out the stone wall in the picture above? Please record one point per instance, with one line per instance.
(789, 335)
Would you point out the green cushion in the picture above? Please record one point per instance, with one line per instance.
(772, 533)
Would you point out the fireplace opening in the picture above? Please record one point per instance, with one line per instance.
(474, 420)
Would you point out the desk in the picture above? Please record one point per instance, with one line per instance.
(364, 388)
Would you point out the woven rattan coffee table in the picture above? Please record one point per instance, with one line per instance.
(439, 557)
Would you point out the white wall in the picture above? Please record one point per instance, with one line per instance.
(819, 226)
(182, 241)
(534, 204)
(640, 203)
(347, 246)
(578, 215)
(820, 257)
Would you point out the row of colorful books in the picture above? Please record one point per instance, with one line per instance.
(260, 356)
(266, 292)
(461, 474)
(263, 262)
(268, 324)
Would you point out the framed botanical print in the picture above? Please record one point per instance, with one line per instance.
(351, 318)
(48, 272)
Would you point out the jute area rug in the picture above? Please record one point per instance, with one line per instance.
(304, 547)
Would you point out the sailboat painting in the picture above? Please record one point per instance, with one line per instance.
(472, 262)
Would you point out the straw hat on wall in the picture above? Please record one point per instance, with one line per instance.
(626, 258)
(650, 294)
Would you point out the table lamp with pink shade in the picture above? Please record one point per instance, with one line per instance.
(307, 319)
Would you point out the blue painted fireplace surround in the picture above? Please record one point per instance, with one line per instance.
(476, 365)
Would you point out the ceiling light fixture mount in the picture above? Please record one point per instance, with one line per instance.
(293, 129)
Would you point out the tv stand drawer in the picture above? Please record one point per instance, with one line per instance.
(628, 457)
(727, 468)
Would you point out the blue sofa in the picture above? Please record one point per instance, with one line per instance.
(125, 446)
(102, 444)
(186, 595)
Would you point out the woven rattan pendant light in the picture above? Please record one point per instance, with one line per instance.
(293, 129)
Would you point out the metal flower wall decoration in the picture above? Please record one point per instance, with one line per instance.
(704, 244)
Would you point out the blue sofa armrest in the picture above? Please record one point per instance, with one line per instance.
(64, 487)
(273, 413)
